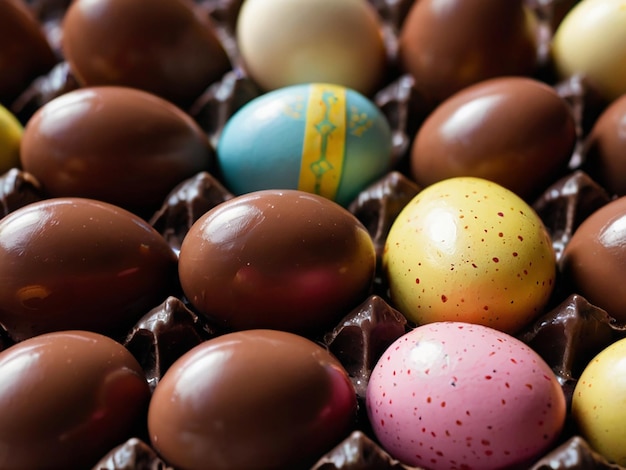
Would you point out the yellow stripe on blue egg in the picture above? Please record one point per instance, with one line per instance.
(324, 143)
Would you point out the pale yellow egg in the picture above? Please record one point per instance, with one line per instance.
(591, 41)
(288, 42)
(598, 403)
(10, 137)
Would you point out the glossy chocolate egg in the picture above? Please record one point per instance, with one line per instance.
(281, 259)
(594, 260)
(605, 148)
(24, 50)
(72, 263)
(119, 145)
(253, 399)
(514, 131)
(66, 399)
(447, 46)
(162, 46)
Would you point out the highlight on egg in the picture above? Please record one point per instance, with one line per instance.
(468, 249)
(321, 138)
(457, 395)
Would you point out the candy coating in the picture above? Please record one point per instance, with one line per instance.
(454, 395)
(467, 249)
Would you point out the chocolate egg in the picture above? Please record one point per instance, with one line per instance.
(281, 259)
(449, 46)
(605, 148)
(161, 46)
(67, 398)
(24, 50)
(314, 41)
(514, 131)
(72, 263)
(594, 260)
(254, 399)
(321, 138)
(116, 144)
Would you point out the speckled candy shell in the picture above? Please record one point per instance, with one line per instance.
(455, 395)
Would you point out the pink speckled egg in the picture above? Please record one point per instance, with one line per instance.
(452, 395)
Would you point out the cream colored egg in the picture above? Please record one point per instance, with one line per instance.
(11, 131)
(287, 42)
(598, 402)
(591, 41)
(467, 249)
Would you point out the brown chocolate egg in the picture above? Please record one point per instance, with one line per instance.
(251, 399)
(450, 45)
(594, 260)
(161, 46)
(72, 263)
(605, 148)
(24, 50)
(66, 399)
(280, 259)
(116, 144)
(515, 131)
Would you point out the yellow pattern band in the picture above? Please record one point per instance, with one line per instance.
(323, 149)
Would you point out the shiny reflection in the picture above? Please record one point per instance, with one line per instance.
(441, 229)
(469, 118)
(16, 231)
(614, 234)
(226, 226)
(59, 117)
(424, 354)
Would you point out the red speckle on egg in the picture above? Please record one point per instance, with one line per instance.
(495, 260)
(417, 280)
(500, 214)
(444, 298)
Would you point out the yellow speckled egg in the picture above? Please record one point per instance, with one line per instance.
(287, 42)
(591, 41)
(467, 249)
(598, 402)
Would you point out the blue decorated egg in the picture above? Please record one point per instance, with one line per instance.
(320, 138)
